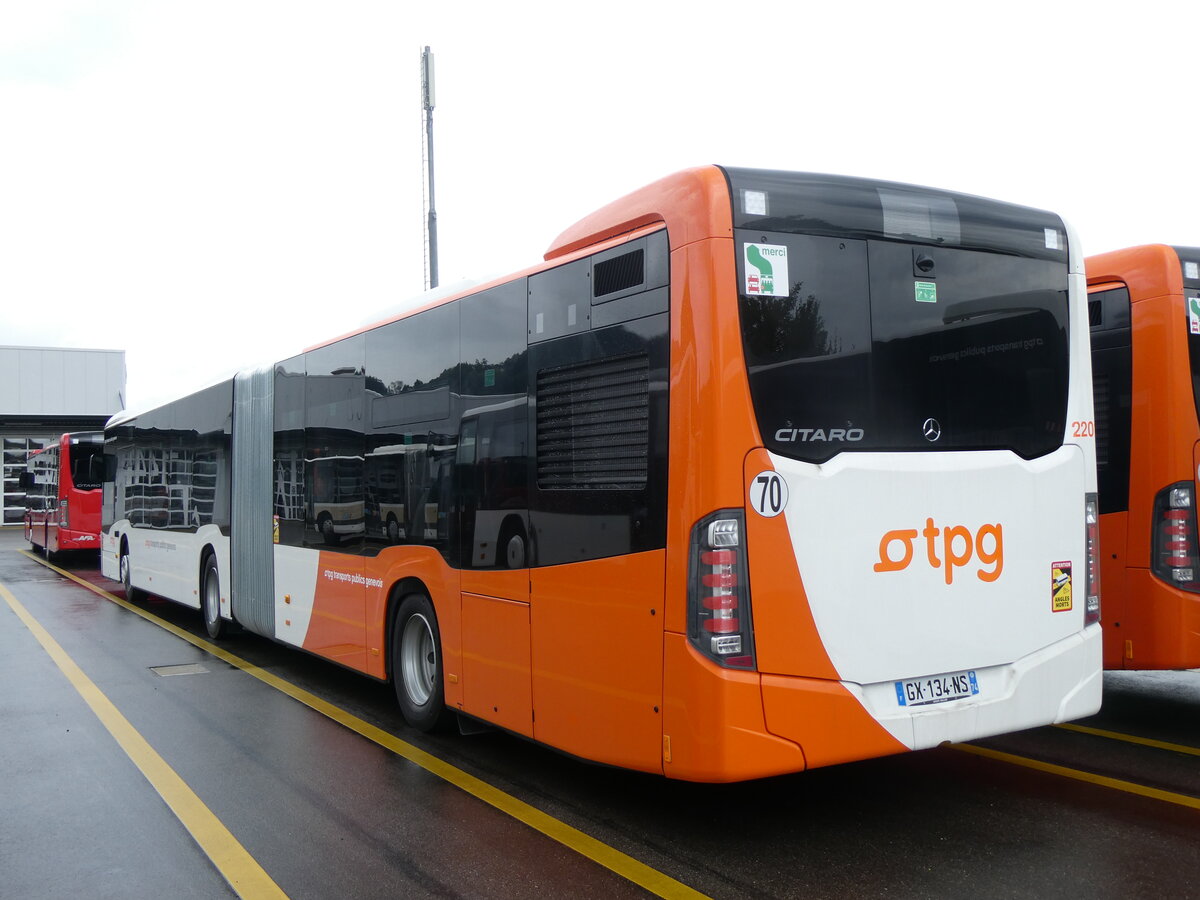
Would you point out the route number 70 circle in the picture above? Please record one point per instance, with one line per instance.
(768, 494)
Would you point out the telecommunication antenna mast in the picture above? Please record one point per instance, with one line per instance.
(431, 256)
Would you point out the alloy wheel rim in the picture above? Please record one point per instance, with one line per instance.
(418, 660)
(211, 600)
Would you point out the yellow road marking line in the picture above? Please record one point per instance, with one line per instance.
(1132, 739)
(1116, 784)
(622, 864)
(237, 866)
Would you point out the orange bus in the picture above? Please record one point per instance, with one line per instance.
(62, 494)
(1144, 307)
(757, 471)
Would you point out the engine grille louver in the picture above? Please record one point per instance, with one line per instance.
(593, 425)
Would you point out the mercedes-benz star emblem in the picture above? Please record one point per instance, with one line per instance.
(931, 429)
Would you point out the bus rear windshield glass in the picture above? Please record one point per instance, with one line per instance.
(888, 343)
(87, 465)
(1189, 261)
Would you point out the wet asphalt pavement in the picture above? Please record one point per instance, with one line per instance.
(326, 812)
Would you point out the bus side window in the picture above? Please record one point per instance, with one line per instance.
(288, 453)
(411, 422)
(493, 455)
(334, 444)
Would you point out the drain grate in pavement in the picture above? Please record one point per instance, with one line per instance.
(188, 669)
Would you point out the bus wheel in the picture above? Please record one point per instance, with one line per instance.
(210, 598)
(132, 594)
(511, 546)
(417, 664)
(325, 526)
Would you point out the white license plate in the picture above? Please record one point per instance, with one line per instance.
(937, 688)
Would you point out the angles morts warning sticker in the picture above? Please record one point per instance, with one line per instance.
(1060, 587)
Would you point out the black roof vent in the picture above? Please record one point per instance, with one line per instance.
(619, 273)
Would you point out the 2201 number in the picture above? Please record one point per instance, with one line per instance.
(1083, 429)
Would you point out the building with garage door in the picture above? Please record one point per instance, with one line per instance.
(45, 391)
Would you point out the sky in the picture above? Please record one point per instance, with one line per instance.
(213, 186)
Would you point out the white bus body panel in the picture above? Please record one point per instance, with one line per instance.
(295, 587)
(867, 530)
(166, 563)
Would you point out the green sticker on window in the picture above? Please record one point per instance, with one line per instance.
(926, 291)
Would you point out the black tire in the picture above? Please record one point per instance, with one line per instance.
(132, 594)
(417, 673)
(511, 552)
(325, 526)
(210, 599)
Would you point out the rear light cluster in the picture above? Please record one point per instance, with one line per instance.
(719, 623)
(64, 514)
(1091, 518)
(1175, 549)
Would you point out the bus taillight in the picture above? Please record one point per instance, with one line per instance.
(1091, 518)
(64, 514)
(718, 595)
(1175, 548)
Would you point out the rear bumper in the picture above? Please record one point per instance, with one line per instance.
(77, 540)
(1055, 684)
(723, 725)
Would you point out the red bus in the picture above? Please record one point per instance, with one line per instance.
(63, 486)
(756, 472)
(1144, 306)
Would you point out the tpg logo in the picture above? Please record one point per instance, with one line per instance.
(958, 547)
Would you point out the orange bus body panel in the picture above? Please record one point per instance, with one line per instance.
(694, 203)
(706, 398)
(597, 658)
(1114, 583)
(1161, 626)
(825, 719)
(714, 724)
(784, 628)
(337, 629)
(496, 678)
(1154, 268)
(1149, 624)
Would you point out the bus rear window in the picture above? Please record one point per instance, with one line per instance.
(1189, 261)
(891, 345)
(87, 464)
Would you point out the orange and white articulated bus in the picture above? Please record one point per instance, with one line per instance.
(757, 472)
(62, 493)
(1144, 305)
